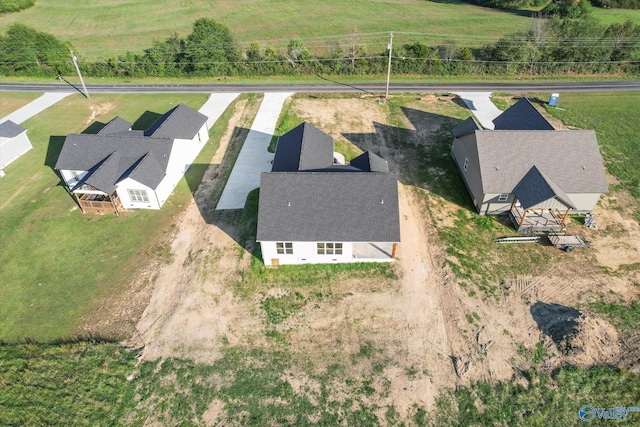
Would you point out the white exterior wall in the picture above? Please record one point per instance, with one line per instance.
(12, 148)
(183, 153)
(127, 203)
(67, 176)
(306, 253)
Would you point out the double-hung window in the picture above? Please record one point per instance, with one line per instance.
(329, 248)
(139, 196)
(283, 248)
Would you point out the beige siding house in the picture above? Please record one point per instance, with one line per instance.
(534, 173)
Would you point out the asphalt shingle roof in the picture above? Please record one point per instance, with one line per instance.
(370, 162)
(535, 187)
(303, 148)
(522, 116)
(9, 129)
(571, 159)
(115, 152)
(111, 158)
(328, 206)
(115, 125)
(466, 127)
(180, 122)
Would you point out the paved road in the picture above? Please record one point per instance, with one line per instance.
(630, 85)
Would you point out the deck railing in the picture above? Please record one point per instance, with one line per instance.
(89, 204)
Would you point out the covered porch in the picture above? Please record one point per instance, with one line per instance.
(539, 204)
(366, 251)
(99, 203)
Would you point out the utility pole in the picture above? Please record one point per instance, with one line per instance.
(390, 46)
(75, 62)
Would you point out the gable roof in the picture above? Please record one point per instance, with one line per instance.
(303, 148)
(328, 206)
(180, 122)
(115, 125)
(9, 129)
(466, 127)
(522, 116)
(569, 158)
(535, 187)
(112, 158)
(370, 162)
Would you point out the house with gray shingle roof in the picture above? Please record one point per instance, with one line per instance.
(14, 142)
(118, 167)
(312, 210)
(534, 173)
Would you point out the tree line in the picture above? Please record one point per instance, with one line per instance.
(552, 46)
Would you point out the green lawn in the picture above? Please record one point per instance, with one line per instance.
(107, 28)
(86, 384)
(57, 262)
(11, 101)
(614, 117)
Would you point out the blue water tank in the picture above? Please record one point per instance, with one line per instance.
(553, 101)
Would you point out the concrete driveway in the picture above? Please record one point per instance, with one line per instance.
(481, 106)
(254, 157)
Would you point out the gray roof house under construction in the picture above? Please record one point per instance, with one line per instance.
(529, 170)
(314, 211)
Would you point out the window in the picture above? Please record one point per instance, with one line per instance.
(284, 248)
(466, 163)
(138, 196)
(329, 248)
(75, 177)
(503, 197)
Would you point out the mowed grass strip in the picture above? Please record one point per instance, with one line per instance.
(12, 101)
(106, 29)
(55, 261)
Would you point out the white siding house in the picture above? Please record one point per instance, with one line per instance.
(123, 168)
(14, 142)
(312, 211)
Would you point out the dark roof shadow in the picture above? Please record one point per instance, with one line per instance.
(93, 128)
(146, 120)
(420, 156)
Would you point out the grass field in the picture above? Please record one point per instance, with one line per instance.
(100, 29)
(11, 101)
(56, 262)
(614, 117)
(86, 384)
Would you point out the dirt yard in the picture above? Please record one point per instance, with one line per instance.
(432, 332)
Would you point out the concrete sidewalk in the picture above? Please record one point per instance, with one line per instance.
(254, 157)
(35, 107)
(481, 106)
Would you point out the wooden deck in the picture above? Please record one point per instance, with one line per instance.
(539, 220)
(99, 203)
